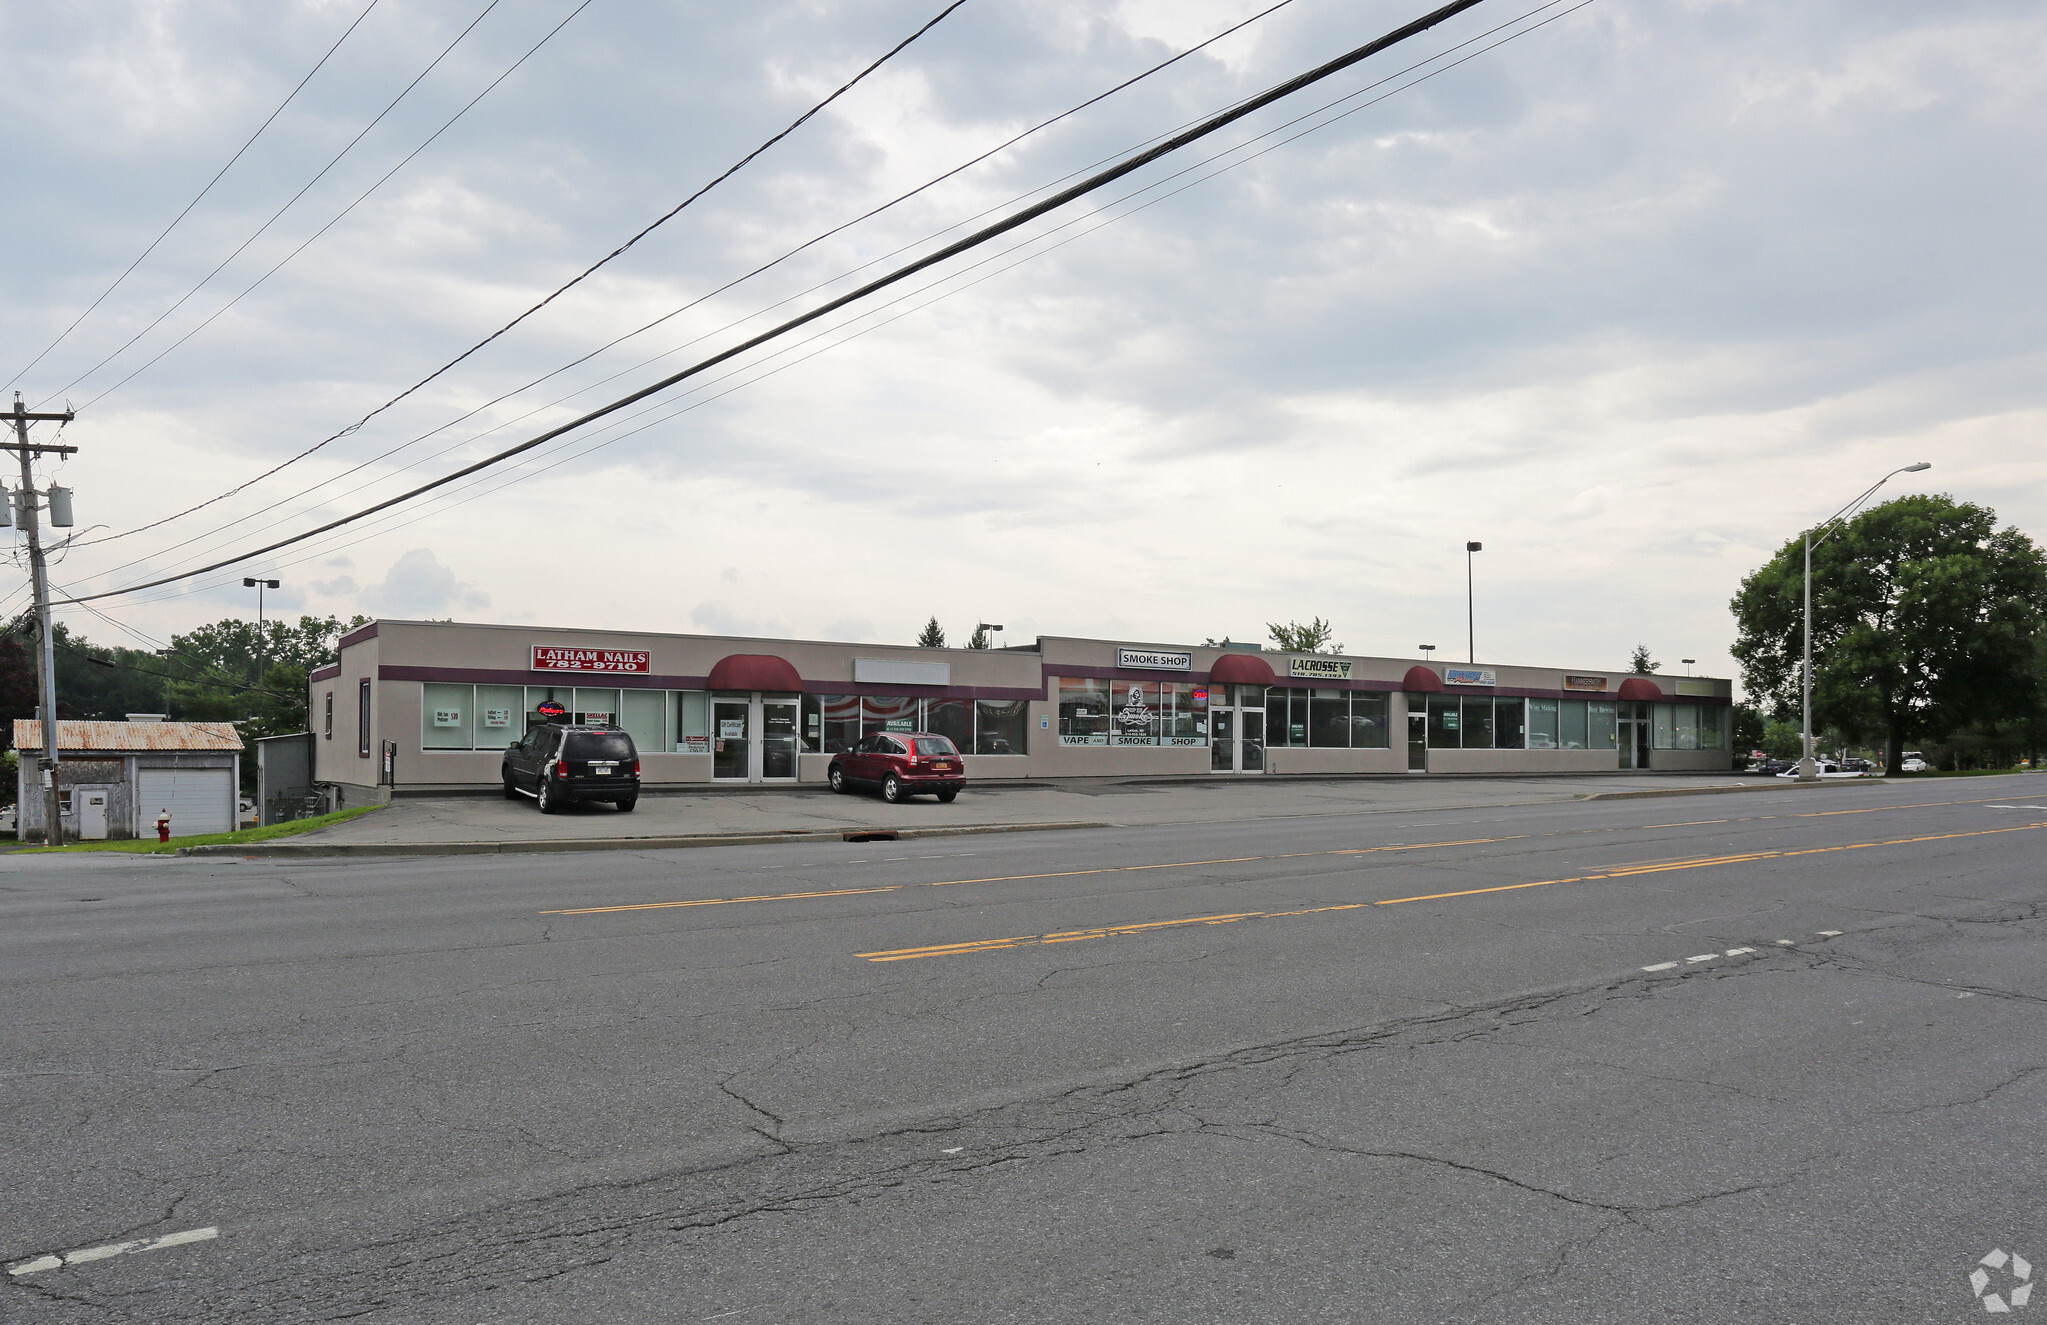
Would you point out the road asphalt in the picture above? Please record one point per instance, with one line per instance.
(1770, 1057)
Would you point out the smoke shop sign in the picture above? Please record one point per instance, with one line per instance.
(1328, 669)
(555, 658)
(1154, 660)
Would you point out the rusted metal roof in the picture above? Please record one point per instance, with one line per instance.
(129, 736)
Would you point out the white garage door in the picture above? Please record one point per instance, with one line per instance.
(200, 799)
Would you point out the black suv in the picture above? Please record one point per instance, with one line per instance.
(557, 765)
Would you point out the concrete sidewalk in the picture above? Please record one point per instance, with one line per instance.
(490, 823)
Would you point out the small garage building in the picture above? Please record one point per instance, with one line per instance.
(114, 778)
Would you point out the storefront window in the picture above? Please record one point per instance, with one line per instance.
(1509, 722)
(444, 716)
(1083, 711)
(538, 695)
(1478, 724)
(888, 713)
(1329, 719)
(644, 715)
(1713, 728)
(1542, 724)
(599, 708)
(1183, 713)
(1368, 725)
(1602, 722)
(1444, 726)
(1002, 726)
(1665, 733)
(1249, 697)
(1286, 716)
(1571, 723)
(693, 722)
(831, 723)
(1135, 717)
(497, 716)
(951, 718)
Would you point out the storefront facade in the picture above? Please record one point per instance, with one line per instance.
(431, 705)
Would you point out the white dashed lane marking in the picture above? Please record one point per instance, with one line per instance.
(59, 1260)
(1731, 952)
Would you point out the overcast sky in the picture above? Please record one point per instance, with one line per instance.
(1630, 298)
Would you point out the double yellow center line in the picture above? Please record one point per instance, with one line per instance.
(1622, 872)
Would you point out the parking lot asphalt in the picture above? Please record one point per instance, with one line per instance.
(1767, 1057)
(1121, 803)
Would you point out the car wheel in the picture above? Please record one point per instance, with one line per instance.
(947, 797)
(626, 803)
(838, 779)
(549, 802)
(892, 789)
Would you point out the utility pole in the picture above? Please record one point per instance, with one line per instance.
(46, 656)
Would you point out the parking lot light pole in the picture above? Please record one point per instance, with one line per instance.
(1808, 770)
(1470, 610)
(1688, 664)
(259, 585)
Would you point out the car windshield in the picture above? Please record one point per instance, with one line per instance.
(599, 745)
(934, 745)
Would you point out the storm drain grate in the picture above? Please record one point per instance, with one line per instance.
(871, 835)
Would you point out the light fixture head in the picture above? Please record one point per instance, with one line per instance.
(1914, 469)
(1474, 547)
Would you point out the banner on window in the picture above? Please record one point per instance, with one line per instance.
(557, 658)
(1470, 676)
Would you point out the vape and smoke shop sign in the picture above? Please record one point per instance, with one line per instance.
(559, 658)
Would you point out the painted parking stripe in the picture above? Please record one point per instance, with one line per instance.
(58, 1260)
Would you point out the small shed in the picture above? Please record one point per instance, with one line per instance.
(114, 778)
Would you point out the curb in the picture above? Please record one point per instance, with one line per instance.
(1717, 791)
(882, 834)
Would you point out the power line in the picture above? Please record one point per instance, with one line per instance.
(130, 268)
(343, 214)
(986, 233)
(598, 442)
(336, 160)
(775, 262)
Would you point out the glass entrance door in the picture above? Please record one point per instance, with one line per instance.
(1222, 740)
(731, 739)
(778, 740)
(1417, 740)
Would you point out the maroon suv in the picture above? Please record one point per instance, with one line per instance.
(902, 764)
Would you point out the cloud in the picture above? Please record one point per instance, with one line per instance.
(418, 585)
(1630, 299)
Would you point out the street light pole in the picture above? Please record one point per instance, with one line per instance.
(1808, 770)
(1470, 608)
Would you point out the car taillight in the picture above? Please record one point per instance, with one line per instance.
(561, 770)
(636, 768)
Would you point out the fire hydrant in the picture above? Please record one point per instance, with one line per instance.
(163, 826)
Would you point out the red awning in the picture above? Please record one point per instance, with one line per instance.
(1244, 669)
(1421, 681)
(755, 671)
(1640, 687)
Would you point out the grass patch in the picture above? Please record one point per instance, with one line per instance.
(150, 846)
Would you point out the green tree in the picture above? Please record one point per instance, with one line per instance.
(1925, 618)
(1310, 638)
(932, 636)
(1640, 663)
(227, 671)
(1748, 729)
(980, 639)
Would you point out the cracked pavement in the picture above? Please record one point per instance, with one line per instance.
(403, 1093)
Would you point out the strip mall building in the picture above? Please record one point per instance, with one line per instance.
(429, 706)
